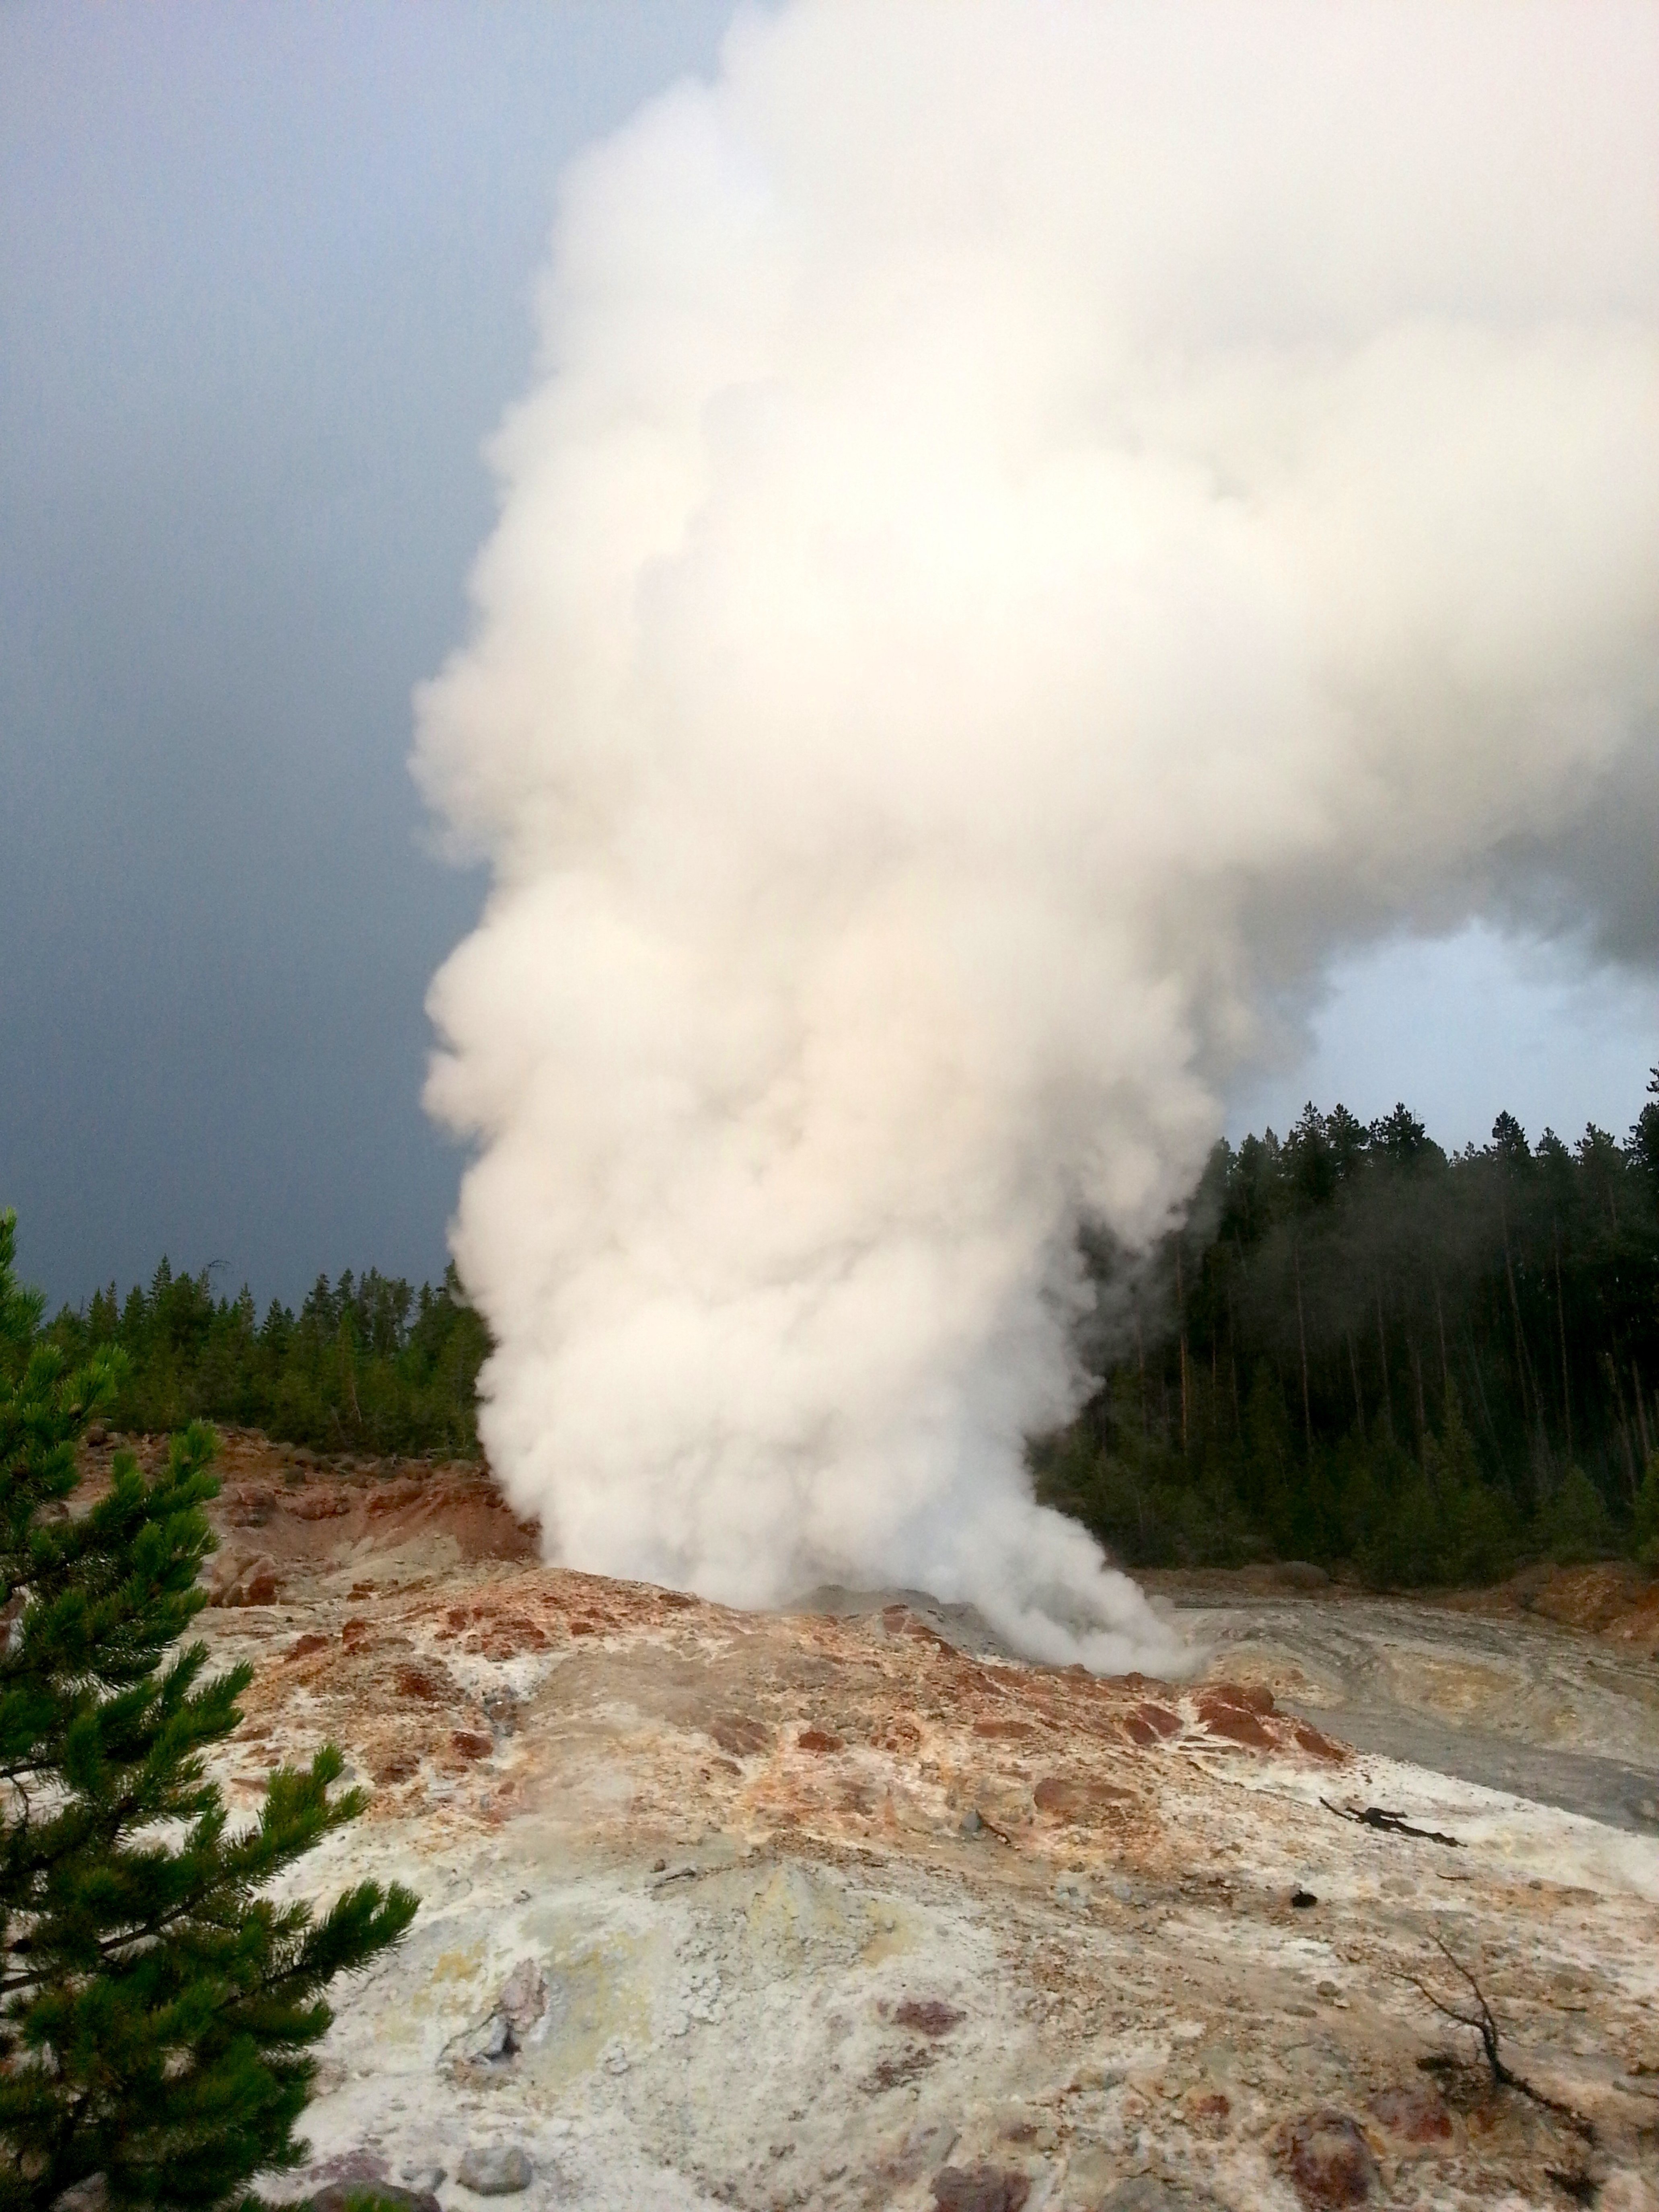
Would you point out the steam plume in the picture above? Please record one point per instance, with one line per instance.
(1035, 525)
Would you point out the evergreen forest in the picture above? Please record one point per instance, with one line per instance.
(1355, 1350)
(368, 1364)
(1360, 1352)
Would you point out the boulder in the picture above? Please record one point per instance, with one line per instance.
(360, 2196)
(523, 1999)
(319, 1505)
(1236, 1713)
(1300, 1575)
(1150, 1722)
(233, 1580)
(1329, 2160)
(249, 1505)
(262, 1585)
(496, 2039)
(495, 2170)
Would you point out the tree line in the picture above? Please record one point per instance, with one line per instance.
(368, 1363)
(1360, 1350)
(1355, 1349)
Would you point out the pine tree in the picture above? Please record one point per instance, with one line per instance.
(156, 2008)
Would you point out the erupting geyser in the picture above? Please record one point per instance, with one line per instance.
(1035, 525)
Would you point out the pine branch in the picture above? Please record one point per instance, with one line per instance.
(154, 2006)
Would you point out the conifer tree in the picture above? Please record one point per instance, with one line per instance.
(156, 2008)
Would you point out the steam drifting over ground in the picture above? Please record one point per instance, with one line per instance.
(1035, 526)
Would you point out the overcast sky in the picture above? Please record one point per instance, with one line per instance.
(264, 288)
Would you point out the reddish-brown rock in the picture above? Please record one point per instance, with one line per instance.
(1415, 2111)
(319, 1504)
(260, 1585)
(249, 1507)
(981, 2188)
(1231, 1714)
(1068, 1797)
(1328, 2160)
(1148, 1724)
(739, 1735)
(1308, 1738)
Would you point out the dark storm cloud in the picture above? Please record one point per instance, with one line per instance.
(264, 289)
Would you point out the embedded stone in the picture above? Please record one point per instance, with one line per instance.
(262, 1585)
(368, 2195)
(1415, 2112)
(1148, 2192)
(1149, 1723)
(1235, 1715)
(495, 2170)
(739, 1735)
(981, 2188)
(523, 1999)
(1065, 1797)
(1329, 2160)
(1315, 1744)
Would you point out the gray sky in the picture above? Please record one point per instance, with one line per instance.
(1465, 1025)
(264, 281)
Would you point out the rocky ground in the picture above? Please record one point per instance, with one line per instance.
(1484, 1685)
(844, 1909)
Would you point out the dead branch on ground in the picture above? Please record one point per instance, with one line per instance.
(1390, 1824)
(1483, 2022)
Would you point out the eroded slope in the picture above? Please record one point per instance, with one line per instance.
(809, 1911)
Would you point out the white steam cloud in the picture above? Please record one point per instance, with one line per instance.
(1037, 524)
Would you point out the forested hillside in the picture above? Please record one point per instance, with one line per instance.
(368, 1364)
(1358, 1349)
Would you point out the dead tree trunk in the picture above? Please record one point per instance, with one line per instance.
(1641, 1411)
(1440, 1324)
(1353, 1371)
(1561, 1326)
(1301, 1340)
